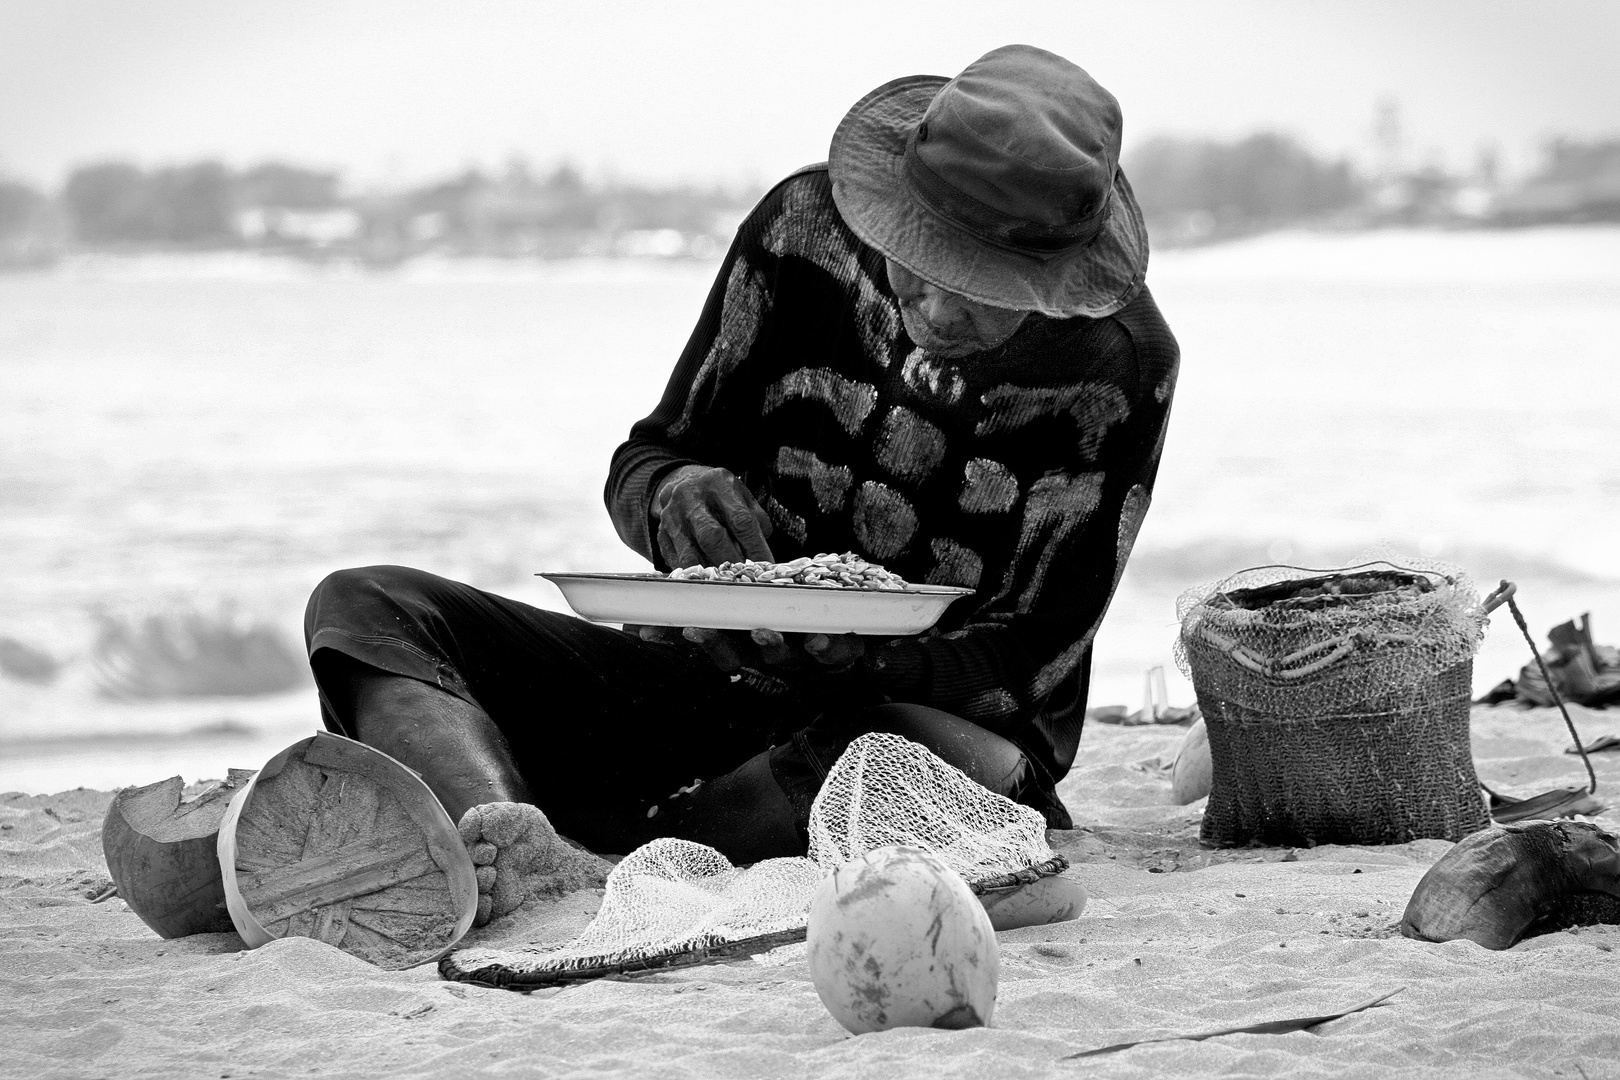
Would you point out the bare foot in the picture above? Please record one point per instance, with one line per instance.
(519, 855)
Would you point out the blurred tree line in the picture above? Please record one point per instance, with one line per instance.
(30, 231)
(1191, 191)
(1198, 189)
(207, 206)
(117, 203)
(1578, 182)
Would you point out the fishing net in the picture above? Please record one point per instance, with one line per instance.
(1289, 641)
(672, 903)
(1336, 702)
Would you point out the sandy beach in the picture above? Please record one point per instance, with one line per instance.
(334, 336)
(1176, 939)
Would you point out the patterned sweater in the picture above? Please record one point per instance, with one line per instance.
(1022, 472)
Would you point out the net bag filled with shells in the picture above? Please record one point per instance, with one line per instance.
(672, 902)
(1337, 703)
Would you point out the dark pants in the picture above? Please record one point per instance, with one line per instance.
(607, 729)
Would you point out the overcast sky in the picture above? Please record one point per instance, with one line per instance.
(393, 90)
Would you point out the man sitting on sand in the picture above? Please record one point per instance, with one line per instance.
(936, 351)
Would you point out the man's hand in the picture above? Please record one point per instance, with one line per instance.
(706, 516)
(768, 650)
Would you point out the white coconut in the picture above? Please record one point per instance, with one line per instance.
(898, 940)
(1194, 772)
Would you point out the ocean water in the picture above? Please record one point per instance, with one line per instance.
(215, 434)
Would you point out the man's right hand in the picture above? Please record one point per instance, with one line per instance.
(706, 516)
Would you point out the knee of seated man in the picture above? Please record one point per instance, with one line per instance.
(370, 579)
(365, 594)
(985, 757)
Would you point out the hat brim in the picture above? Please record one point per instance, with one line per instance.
(866, 164)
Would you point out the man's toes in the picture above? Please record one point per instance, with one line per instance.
(504, 822)
(471, 825)
(508, 894)
(517, 854)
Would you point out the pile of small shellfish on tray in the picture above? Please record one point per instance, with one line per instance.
(846, 571)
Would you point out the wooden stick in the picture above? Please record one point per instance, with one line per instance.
(1518, 616)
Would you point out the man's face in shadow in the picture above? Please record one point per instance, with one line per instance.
(945, 324)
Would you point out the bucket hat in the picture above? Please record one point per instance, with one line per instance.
(1001, 185)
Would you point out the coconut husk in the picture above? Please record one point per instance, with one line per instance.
(161, 851)
(1496, 884)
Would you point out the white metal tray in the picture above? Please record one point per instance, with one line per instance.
(655, 600)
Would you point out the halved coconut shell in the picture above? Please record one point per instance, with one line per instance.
(339, 842)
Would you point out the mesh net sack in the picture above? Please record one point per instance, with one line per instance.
(672, 903)
(887, 790)
(1337, 702)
